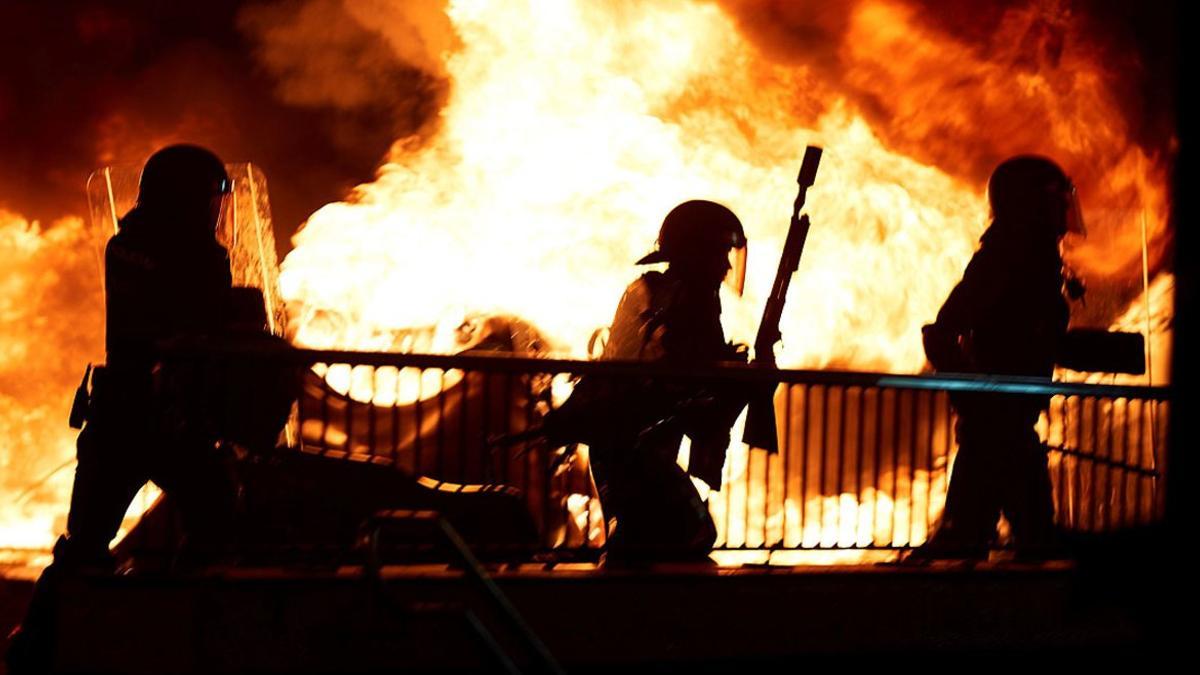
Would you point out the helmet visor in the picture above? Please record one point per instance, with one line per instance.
(1075, 224)
(224, 214)
(735, 278)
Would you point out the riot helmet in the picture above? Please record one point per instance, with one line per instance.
(1034, 191)
(703, 236)
(186, 180)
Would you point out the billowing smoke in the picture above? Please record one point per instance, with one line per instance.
(88, 83)
(1135, 43)
(345, 55)
(355, 57)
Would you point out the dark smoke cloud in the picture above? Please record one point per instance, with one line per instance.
(86, 83)
(1136, 43)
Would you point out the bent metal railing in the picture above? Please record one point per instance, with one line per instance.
(864, 460)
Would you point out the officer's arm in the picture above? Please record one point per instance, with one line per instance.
(959, 314)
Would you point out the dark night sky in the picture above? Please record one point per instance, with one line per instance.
(87, 83)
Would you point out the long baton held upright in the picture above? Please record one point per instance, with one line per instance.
(760, 429)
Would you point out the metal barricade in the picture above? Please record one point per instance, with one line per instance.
(864, 458)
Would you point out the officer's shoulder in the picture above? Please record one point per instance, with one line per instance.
(642, 289)
(651, 284)
(120, 244)
(650, 278)
(658, 289)
(640, 286)
(125, 247)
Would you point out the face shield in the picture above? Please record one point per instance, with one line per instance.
(223, 208)
(1075, 224)
(735, 278)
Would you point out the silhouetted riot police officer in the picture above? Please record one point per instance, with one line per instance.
(1007, 316)
(634, 429)
(166, 277)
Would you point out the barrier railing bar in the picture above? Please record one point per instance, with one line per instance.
(501, 361)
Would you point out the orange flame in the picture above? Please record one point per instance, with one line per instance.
(51, 319)
(571, 129)
(556, 164)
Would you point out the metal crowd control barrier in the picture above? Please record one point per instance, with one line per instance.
(864, 458)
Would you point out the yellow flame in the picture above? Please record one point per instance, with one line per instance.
(51, 319)
(573, 127)
(570, 130)
(570, 133)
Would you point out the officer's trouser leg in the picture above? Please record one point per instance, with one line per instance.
(1028, 499)
(1000, 467)
(973, 498)
(109, 473)
(658, 510)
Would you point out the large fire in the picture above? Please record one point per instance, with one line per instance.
(571, 129)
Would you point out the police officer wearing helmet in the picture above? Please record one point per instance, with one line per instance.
(672, 317)
(166, 276)
(1007, 316)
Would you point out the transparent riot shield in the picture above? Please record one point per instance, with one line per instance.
(246, 230)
